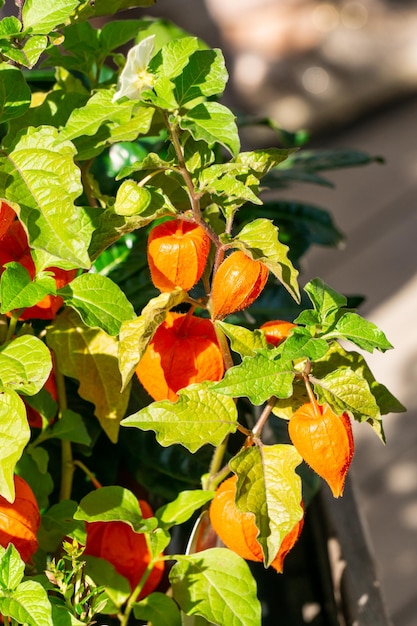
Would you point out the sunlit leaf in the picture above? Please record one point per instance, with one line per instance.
(269, 487)
(217, 585)
(90, 356)
(198, 417)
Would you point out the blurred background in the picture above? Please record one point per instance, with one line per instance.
(346, 72)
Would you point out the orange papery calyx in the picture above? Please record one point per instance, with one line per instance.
(126, 550)
(14, 247)
(20, 520)
(237, 283)
(177, 254)
(325, 441)
(183, 350)
(238, 530)
(7, 217)
(276, 331)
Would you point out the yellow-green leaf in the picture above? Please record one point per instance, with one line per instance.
(90, 356)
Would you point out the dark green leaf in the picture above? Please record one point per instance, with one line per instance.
(14, 93)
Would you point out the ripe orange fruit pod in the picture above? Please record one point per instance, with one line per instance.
(183, 350)
(238, 530)
(325, 442)
(236, 284)
(7, 217)
(20, 520)
(127, 551)
(14, 247)
(276, 331)
(177, 254)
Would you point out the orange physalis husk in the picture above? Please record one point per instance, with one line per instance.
(127, 551)
(325, 442)
(236, 284)
(7, 217)
(238, 530)
(183, 350)
(177, 254)
(14, 247)
(276, 331)
(20, 520)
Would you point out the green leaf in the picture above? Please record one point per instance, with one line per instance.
(70, 427)
(216, 584)
(116, 33)
(43, 17)
(158, 609)
(10, 27)
(14, 436)
(325, 300)
(116, 587)
(338, 358)
(58, 522)
(173, 57)
(99, 302)
(136, 334)
(12, 568)
(25, 364)
(258, 378)
(90, 356)
(359, 331)
(152, 162)
(261, 161)
(99, 109)
(28, 604)
(261, 242)
(269, 487)
(198, 417)
(18, 291)
(14, 93)
(213, 123)
(114, 504)
(300, 344)
(122, 127)
(242, 340)
(183, 507)
(109, 7)
(204, 75)
(347, 391)
(33, 467)
(44, 180)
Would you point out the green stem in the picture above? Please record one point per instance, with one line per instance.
(67, 465)
(87, 472)
(192, 193)
(12, 326)
(224, 347)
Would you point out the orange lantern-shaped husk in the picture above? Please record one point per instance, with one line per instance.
(325, 441)
(127, 551)
(177, 254)
(14, 247)
(238, 531)
(7, 216)
(236, 284)
(183, 350)
(276, 331)
(20, 520)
